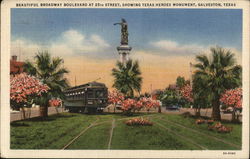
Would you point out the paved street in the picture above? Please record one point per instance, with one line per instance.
(204, 112)
(33, 113)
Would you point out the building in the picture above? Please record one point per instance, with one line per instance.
(15, 66)
(156, 93)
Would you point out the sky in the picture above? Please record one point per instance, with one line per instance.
(164, 41)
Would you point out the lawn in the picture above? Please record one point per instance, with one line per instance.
(169, 132)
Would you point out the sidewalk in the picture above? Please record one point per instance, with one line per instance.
(16, 115)
(204, 112)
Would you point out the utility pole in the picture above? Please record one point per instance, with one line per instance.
(75, 80)
(151, 90)
(97, 79)
(19, 51)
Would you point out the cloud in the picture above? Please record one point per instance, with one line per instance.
(24, 49)
(169, 47)
(237, 53)
(172, 48)
(69, 43)
(74, 43)
(79, 44)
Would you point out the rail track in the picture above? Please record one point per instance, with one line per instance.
(157, 123)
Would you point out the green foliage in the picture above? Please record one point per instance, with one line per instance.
(50, 71)
(202, 97)
(127, 77)
(214, 75)
(170, 97)
(180, 82)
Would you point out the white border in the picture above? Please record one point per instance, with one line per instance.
(5, 115)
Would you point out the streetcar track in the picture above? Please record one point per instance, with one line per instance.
(173, 132)
(136, 117)
(183, 137)
(95, 124)
(111, 133)
(210, 136)
(80, 134)
(160, 125)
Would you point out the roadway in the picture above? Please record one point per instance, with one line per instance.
(34, 112)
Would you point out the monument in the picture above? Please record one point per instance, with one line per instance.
(124, 49)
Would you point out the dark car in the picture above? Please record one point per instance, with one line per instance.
(173, 108)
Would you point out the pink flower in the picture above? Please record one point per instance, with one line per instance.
(55, 102)
(115, 97)
(22, 86)
(232, 98)
(186, 93)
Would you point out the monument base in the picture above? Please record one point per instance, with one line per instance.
(124, 51)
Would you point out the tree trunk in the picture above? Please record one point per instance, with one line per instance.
(206, 112)
(23, 111)
(28, 112)
(44, 111)
(235, 118)
(114, 107)
(195, 111)
(198, 112)
(216, 109)
(57, 112)
(159, 110)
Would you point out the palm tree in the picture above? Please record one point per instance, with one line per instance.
(219, 73)
(50, 71)
(127, 77)
(201, 96)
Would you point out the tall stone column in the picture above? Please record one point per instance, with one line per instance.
(124, 49)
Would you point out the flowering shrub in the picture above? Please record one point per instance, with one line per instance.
(220, 128)
(55, 102)
(139, 105)
(210, 121)
(23, 86)
(224, 129)
(150, 103)
(186, 93)
(115, 97)
(24, 89)
(138, 122)
(217, 125)
(233, 98)
(128, 104)
(200, 121)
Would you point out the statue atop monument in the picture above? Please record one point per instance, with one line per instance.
(124, 32)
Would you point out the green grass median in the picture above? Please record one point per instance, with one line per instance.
(169, 132)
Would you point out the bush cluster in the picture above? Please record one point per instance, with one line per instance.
(220, 128)
(202, 121)
(138, 122)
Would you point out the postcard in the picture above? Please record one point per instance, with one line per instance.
(125, 79)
